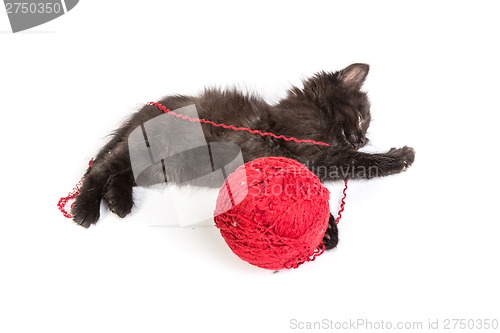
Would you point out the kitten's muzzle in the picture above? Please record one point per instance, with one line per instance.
(357, 141)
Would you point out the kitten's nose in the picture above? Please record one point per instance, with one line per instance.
(357, 141)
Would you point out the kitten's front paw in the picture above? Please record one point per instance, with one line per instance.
(404, 157)
(85, 211)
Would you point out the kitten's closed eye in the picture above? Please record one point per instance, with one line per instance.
(354, 129)
(363, 123)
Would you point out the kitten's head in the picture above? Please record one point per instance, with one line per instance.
(344, 108)
(333, 108)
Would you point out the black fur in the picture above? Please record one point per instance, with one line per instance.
(330, 108)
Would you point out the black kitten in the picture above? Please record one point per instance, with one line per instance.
(329, 108)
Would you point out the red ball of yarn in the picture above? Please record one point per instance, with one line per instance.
(273, 213)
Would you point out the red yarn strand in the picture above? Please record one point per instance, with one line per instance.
(63, 202)
(342, 203)
(234, 128)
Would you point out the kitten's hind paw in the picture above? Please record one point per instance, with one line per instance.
(331, 238)
(119, 195)
(119, 205)
(85, 212)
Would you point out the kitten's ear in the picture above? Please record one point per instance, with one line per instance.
(353, 76)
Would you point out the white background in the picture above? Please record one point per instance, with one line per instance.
(416, 246)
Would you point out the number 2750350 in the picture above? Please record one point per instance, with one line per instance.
(33, 8)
